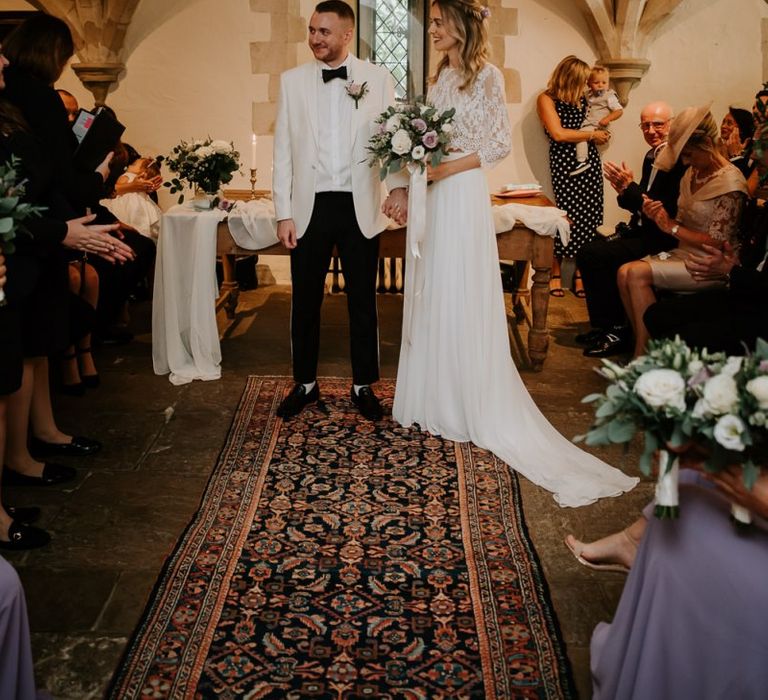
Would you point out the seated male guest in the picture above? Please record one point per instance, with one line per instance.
(726, 319)
(600, 259)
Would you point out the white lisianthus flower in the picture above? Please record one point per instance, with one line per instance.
(732, 366)
(728, 432)
(204, 151)
(720, 394)
(662, 388)
(758, 418)
(418, 153)
(220, 146)
(401, 142)
(447, 128)
(393, 123)
(758, 387)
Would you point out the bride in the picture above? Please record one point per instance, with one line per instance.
(456, 377)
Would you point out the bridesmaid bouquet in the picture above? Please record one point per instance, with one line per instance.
(12, 210)
(202, 164)
(414, 134)
(680, 397)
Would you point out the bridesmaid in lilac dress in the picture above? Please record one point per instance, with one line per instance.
(692, 621)
(17, 681)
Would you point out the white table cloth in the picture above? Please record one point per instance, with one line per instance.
(185, 339)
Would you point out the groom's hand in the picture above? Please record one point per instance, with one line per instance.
(396, 205)
(286, 233)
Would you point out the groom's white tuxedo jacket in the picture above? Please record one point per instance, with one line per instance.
(296, 144)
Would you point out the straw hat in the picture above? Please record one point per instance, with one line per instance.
(682, 128)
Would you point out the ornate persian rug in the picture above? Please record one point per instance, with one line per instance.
(335, 558)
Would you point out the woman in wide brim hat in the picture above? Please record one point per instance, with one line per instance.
(712, 195)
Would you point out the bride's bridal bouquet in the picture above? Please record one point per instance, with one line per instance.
(411, 136)
(681, 398)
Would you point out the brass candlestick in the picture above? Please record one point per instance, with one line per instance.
(253, 183)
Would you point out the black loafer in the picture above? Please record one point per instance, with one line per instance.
(367, 403)
(23, 514)
(590, 337)
(79, 447)
(297, 400)
(23, 536)
(610, 344)
(52, 474)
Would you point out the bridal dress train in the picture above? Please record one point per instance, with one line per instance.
(456, 377)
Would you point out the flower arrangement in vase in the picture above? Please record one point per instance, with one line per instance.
(204, 165)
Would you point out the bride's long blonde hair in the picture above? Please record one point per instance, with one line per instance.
(466, 21)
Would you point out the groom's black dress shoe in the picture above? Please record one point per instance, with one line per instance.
(52, 474)
(610, 344)
(297, 400)
(367, 403)
(79, 447)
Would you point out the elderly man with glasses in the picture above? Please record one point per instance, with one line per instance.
(600, 259)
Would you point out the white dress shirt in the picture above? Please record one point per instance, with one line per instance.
(334, 131)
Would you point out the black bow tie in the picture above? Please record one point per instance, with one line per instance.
(329, 74)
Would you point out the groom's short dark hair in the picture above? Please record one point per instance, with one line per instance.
(338, 7)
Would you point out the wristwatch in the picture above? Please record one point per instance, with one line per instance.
(674, 230)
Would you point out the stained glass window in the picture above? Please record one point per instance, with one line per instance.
(392, 35)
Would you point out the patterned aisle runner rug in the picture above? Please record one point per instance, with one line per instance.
(336, 558)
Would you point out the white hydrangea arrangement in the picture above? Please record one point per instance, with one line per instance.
(203, 164)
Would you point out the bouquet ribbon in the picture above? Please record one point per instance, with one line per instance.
(417, 208)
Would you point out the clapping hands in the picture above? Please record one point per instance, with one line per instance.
(620, 176)
(656, 212)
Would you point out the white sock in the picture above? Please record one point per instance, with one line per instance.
(309, 387)
(357, 387)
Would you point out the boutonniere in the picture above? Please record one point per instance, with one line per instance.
(357, 91)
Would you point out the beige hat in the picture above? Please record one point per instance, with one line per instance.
(681, 129)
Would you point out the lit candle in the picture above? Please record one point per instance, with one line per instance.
(254, 141)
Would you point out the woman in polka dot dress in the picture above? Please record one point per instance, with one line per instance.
(561, 109)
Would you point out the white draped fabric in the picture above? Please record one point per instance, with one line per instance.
(185, 339)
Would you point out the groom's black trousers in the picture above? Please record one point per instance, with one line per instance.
(333, 222)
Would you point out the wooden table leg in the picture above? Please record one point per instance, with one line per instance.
(538, 336)
(230, 289)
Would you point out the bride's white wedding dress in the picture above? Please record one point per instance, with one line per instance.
(456, 377)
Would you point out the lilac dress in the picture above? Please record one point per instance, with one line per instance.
(17, 681)
(692, 621)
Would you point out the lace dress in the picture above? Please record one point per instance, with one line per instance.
(456, 377)
(715, 208)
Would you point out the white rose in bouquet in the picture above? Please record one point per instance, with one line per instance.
(418, 153)
(393, 123)
(204, 151)
(758, 387)
(728, 432)
(662, 388)
(720, 395)
(401, 142)
(220, 146)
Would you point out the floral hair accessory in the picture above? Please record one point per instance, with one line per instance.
(485, 13)
(356, 91)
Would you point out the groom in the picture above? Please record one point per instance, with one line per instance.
(326, 195)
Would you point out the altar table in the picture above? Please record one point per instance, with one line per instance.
(519, 244)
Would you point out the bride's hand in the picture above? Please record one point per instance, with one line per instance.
(396, 205)
(437, 172)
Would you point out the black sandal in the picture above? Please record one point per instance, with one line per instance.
(556, 291)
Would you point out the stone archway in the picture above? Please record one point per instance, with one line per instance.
(98, 28)
(622, 30)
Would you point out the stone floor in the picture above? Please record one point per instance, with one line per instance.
(114, 527)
